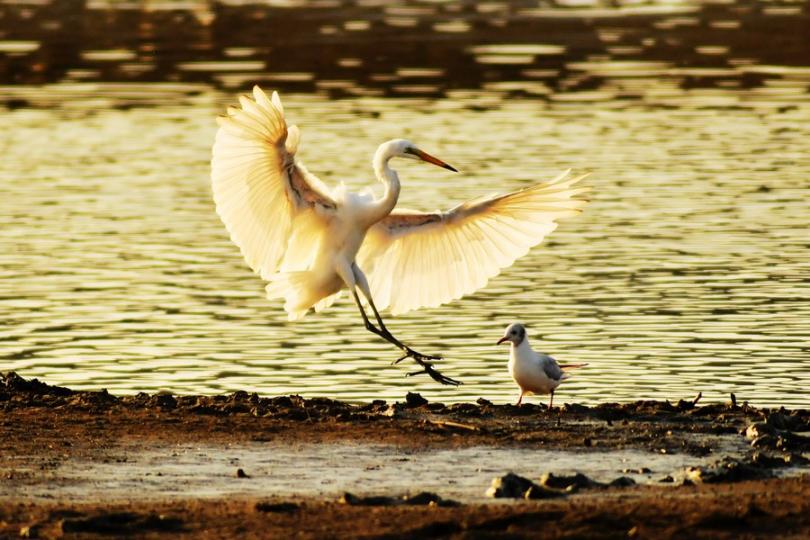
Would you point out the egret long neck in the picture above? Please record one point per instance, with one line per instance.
(389, 178)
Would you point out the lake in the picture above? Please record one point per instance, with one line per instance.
(689, 271)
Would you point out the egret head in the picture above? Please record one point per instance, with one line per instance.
(514, 333)
(407, 149)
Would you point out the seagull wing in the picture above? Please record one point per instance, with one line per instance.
(274, 209)
(551, 367)
(415, 259)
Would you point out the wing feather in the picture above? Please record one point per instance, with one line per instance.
(260, 189)
(427, 259)
(551, 367)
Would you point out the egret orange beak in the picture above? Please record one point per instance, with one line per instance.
(424, 156)
(504, 338)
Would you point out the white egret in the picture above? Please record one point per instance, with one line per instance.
(311, 242)
(534, 372)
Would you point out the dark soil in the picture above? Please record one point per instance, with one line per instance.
(51, 426)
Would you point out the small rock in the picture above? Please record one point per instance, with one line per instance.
(512, 486)
(765, 460)
(30, 531)
(791, 441)
(728, 470)
(779, 420)
(163, 401)
(622, 481)
(284, 401)
(765, 441)
(465, 409)
(427, 498)
(277, 508)
(422, 499)
(240, 473)
(378, 405)
(568, 483)
(667, 479)
(392, 411)
(536, 492)
(121, 523)
(412, 399)
(782, 440)
(575, 408)
(354, 500)
(759, 429)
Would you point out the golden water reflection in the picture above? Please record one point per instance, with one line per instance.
(689, 271)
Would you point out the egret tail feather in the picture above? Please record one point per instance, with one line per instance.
(297, 291)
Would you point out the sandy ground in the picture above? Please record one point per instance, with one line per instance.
(49, 435)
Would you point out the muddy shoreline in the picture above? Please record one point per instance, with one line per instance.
(750, 478)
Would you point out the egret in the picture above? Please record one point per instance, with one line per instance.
(311, 242)
(534, 372)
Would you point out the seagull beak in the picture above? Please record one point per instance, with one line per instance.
(504, 338)
(424, 156)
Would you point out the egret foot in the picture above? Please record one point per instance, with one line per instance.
(424, 360)
(427, 367)
(410, 353)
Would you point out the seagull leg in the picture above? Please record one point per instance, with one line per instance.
(421, 359)
(551, 401)
(520, 399)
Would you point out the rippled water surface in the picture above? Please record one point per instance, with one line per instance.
(689, 270)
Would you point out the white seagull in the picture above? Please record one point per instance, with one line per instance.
(311, 242)
(534, 372)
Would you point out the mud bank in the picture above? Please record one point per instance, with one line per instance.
(85, 463)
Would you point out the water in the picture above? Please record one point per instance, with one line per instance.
(688, 271)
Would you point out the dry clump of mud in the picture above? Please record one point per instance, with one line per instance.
(46, 427)
(34, 411)
(763, 509)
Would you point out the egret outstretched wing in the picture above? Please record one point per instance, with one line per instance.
(416, 259)
(272, 206)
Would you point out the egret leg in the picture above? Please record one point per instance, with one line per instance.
(421, 359)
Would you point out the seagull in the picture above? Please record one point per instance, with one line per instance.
(311, 242)
(534, 372)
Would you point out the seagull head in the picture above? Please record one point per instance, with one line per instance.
(514, 333)
(405, 148)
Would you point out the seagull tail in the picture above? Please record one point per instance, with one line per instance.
(567, 375)
(572, 366)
